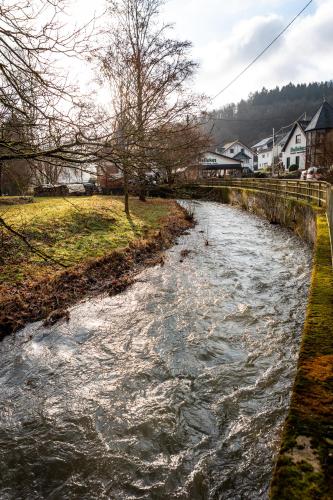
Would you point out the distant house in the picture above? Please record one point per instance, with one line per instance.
(238, 151)
(264, 150)
(294, 148)
(82, 174)
(319, 138)
(214, 164)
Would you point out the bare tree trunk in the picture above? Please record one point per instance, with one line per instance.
(142, 192)
(1, 177)
(126, 197)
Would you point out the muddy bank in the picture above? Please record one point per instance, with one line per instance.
(48, 299)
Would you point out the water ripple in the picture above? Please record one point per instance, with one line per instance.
(174, 389)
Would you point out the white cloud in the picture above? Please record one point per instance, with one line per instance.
(303, 54)
(227, 36)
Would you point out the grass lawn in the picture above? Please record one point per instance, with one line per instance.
(71, 230)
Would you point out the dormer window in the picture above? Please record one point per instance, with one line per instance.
(232, 150)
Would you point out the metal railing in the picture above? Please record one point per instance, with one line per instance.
(315, 192)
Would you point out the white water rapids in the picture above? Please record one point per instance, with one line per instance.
(176, 388)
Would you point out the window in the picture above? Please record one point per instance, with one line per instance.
(242, 150)
(298, 139)
(232, 150)
(263, 155)
(288, 162)
(297, 161)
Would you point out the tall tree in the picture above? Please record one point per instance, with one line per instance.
(148, 72)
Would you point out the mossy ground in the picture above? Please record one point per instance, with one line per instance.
(70, 230)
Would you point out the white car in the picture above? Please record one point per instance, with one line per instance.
(311, 174)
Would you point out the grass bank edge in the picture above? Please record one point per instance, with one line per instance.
(69, 231)
(111, 273)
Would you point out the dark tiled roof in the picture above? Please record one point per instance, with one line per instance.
(302, 124)
(241, 156)
(323, 119)
(223, 156)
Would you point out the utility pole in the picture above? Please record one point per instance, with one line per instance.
(273, 159)
(1, 178)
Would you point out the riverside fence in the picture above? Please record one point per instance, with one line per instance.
(317, 193)
(310, 191)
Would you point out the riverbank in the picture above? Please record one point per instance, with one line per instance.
(100, 246)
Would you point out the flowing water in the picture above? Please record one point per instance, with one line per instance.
(174, 389)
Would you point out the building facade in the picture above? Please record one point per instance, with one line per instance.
(217, 165)
(319, 138)
(264, 150)
(294, 149)
(238, 151)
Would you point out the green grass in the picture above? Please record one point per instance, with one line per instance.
(71, 230)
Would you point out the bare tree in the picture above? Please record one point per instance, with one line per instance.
(179, 147)
(148, 72)
(60, 125)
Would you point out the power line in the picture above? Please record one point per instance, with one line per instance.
(246, 120)
(263, 52)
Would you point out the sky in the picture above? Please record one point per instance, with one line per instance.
(228, 34)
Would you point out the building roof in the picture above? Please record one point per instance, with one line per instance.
(232, 160)
(230, 144)
(241, 156)
(323, 119)
(230, 164)
(302, 124)
(264, 142)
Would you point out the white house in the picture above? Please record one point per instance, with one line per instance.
(81, 174)
(264, 150)
(214, 164)
(238, 151)
(294, 150)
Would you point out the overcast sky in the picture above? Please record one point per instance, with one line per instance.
(228, 34)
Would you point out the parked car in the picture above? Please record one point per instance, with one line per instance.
(311, 174)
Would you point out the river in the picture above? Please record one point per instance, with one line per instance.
(175, 389)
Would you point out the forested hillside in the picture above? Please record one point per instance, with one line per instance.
(254, 119)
